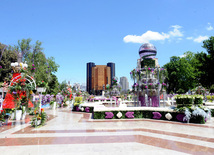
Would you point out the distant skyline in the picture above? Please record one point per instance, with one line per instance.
(77, 32)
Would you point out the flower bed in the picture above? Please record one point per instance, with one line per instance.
(158, 115)
(83, 109)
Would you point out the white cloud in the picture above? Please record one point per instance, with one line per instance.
(200, 39)
(155, 36)
(184, 55)
(189, 38)
(209, 28)
(176, 32)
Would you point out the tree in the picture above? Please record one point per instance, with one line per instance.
(44, 67)
(7, 57)
(209, 46)
(181, 73)
(53, 85)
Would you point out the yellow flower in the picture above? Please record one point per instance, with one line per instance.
(20, 64)
(31, 92)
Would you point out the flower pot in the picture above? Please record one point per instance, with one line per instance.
(12, 116)
(38, 122)
(41, 89)
(1, 123)
(23, 115)
(18, 114)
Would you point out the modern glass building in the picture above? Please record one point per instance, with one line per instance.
(98, 76)
(112, 66)
(89, 76)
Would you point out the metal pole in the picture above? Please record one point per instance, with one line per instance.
(158, 87)
(147, 91)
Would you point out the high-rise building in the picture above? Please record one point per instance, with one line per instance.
(112, 66)
(124, 83)
(98, 76)
(89, 76)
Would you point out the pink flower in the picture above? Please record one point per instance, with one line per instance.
(146, 87)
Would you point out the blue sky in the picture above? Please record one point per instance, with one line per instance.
(102, 31)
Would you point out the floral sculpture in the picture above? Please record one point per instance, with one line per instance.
(156, 115)
(109, 115)
(129, 114)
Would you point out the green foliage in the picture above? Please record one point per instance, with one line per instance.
(212, 89)
(188, 100)
(8, 57)
(148, 63)
(148, 114)
(53, 85)
(40, 116)
(78, 101)
(181, 73)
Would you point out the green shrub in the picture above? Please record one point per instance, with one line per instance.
(212, 89)
(198, 101)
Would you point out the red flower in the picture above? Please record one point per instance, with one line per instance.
(42, 110)
(42, 81)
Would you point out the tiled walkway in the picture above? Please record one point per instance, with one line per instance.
(76, 133)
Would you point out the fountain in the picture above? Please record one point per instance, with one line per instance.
(149, 76)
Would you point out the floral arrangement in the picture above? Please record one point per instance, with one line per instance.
(87, 109)
(188, 100)
(109, 115)
(129, 114)
(114, 81)
(156, 115)
(78, 101)
(39, 119)
(21, 92)
(79, 93)
(2, 114)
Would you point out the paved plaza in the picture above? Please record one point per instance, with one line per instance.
(75, 133)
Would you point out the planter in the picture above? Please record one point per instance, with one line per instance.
(23, 115)
(41, 89)
(12, 116)
(18, 114)
(38, 122)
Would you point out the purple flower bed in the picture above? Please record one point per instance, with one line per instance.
(156, 115)
(87, 109)
(129, 114)
(109, 115)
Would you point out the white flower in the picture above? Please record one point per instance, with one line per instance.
(119, 115)
(187, 115)
(82, 109)
(199, 112)
(168, 116)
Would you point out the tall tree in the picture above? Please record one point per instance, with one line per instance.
(181, 73)
(209, 46)
(7, 57)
